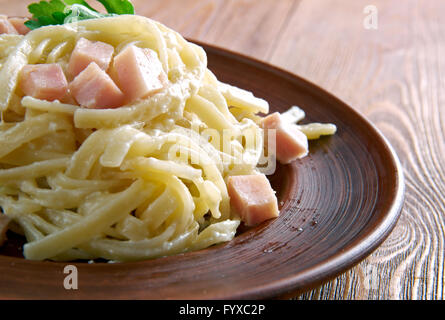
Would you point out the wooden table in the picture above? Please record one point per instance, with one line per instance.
(389, 68)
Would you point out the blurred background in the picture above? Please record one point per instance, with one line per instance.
(383, 57)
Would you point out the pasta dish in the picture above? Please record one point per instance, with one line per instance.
(117, 142)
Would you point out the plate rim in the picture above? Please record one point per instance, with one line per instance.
(340, 262)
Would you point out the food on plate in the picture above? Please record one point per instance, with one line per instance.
(86, 52)
(94, 88)
(252, 198)
(290, 142)
(117, 142)
(43, 81)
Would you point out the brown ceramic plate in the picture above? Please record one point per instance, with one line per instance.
(338, 204)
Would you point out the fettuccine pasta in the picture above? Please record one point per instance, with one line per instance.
(144, 180)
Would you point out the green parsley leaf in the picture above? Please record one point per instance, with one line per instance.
(81, 2)
(55, 12)
(118, 6)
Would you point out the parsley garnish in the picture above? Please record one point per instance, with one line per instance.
(54, 12)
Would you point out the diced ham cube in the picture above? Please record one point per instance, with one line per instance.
(4, 225)
(93, 88)
(253, 198)
(290, 143)
(87, 51)
(19, 25)
(6, 26)
(43, 81)
(139, 72)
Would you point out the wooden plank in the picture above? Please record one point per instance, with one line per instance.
(393, 76)
(256, 24)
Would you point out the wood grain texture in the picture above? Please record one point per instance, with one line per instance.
(393, 75)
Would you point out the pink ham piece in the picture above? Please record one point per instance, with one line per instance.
(4, 225)
(253, 198)
(139, 72)
(290, 143)
(6, 26)
(93, 88)
(19, 25)
(87, 51)
(43, 81)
